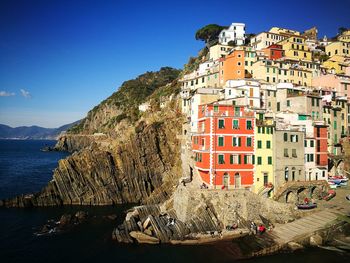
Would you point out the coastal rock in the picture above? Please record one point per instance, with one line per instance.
(140, 169)
(65, 220)
(81, 216)
(316, 240)
(143, 238)
(112, 217)
(294, 246)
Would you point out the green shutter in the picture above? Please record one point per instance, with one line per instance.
(239, 141)
(231, 159)
(249, 141)
(221, 124)
(234, 141)
(221, 141)
(259, 144)
(253, 159)
(245, 159)
(269, 160)
(268, 144)
(259, 160)
(239, 159)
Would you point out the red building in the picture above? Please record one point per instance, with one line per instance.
(224, 145)
(321, 151)
(274, 51)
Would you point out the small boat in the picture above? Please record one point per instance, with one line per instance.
(330, 195)
(347, 197)
(332, 185)
(336, 181)
(307, 206)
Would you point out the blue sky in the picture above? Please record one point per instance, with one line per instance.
(58, 59)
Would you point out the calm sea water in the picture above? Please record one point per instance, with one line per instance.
(24, 168)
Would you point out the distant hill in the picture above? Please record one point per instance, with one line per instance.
(32, 132)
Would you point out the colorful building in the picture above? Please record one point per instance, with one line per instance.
(274, 51)
(234, 34)
(338, 48)
(295, 48)
(264, 156)
(232, 66)
(224, 145)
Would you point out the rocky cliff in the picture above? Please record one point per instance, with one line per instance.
(116, 159)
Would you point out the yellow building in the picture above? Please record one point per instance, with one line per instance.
(345, 37)
(338, 48)
(336, 64)
(249, 59)
(281, 72)
(282, 31)
(295, 48)
(264, 159)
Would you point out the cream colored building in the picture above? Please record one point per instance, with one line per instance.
(218, 51)
(281, 72)
(345, 37)
(338, 48)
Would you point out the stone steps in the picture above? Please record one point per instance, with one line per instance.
(287, 232)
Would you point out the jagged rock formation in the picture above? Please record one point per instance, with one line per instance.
(120, 154)
(127, 173)
(193, 214)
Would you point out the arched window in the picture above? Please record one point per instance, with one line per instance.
(293, 173)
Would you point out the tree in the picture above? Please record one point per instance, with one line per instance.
(209, 32)
(341, 30)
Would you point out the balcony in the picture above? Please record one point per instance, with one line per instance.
(269, 122)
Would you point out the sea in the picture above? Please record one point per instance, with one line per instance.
(26, 169)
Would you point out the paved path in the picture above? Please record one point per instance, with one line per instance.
(307, 225)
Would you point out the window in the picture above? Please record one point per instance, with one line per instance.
(288, 103)
(278, 106)
(233, 159)
(249, 141)
(285, 153)
(236, 141)
(221, 141)
(335, 125)
(268, 144)
(294, 153)
(285, 137)
(311, 143)
(259, 144)
(235, 124)
(305, 143)
(216, 108)
(294, 138)
(259, 161)
(221, 159)
(221, 124)
(269, 160)
(249, 125)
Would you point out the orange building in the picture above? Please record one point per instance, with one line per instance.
(320, 132)
(224, 145)
(232, 66)
(274, 52)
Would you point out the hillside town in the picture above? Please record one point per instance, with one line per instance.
(267, 110)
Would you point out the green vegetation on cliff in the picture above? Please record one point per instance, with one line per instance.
(123, 104)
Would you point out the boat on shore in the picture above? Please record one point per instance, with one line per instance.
(330, 195)
(307, 206)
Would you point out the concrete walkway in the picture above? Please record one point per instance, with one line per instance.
(285, 233)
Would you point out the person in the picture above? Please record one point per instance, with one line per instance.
(261, 229)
